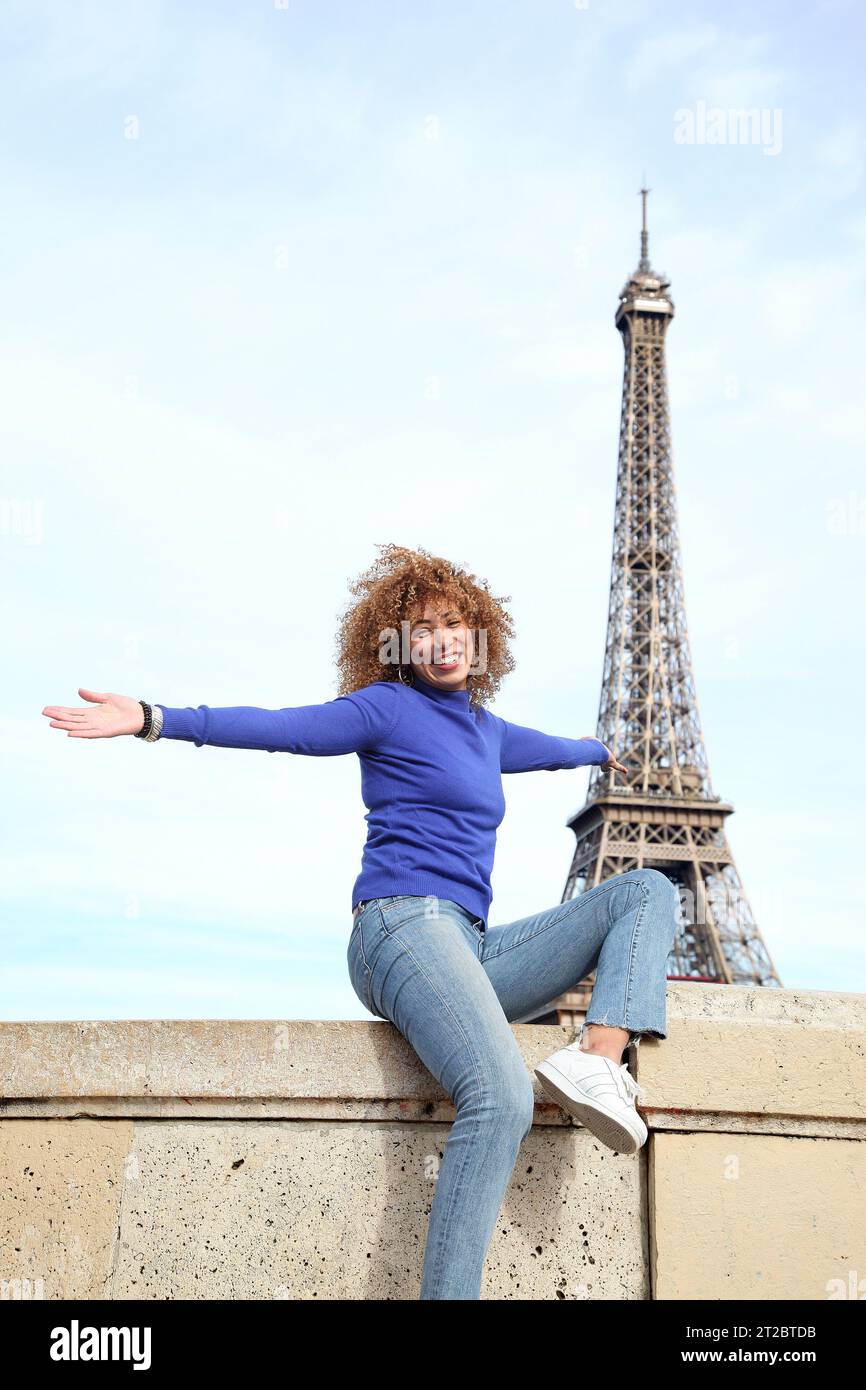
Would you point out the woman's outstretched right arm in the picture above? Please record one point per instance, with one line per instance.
(361, 719)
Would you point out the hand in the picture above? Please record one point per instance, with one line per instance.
(109, 716)
(611, 765)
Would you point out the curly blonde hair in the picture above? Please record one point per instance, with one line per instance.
(387, 593)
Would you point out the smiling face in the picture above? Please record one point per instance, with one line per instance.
(441, 644)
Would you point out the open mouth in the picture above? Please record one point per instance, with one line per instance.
(447, 665)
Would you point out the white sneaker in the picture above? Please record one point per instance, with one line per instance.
(597, 1091)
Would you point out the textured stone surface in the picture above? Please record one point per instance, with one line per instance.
(60, 1194)
(300, 1210)
(296, 1159)
(777, 1052)
(757, 1217)
(295, 1059)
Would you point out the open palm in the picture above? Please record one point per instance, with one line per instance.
(108, 716)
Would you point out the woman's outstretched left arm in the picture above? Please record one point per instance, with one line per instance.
(529, 750)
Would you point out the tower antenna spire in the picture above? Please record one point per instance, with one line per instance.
(644, 234)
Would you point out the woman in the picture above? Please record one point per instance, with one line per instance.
(421, 651)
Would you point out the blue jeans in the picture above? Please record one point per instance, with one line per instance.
(452, 989)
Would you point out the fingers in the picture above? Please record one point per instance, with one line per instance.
(612, 765)
(66, 710)
(81, 721)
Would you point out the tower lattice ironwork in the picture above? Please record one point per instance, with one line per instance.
(663, 814)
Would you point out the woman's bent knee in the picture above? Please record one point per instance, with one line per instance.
(653, 878)
(658, 885)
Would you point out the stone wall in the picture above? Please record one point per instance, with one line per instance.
(268, 1159)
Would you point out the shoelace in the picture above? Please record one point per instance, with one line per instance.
(631, 1086)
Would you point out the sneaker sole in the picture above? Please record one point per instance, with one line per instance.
(611, 1131)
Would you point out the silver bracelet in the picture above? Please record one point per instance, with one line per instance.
(156, 715)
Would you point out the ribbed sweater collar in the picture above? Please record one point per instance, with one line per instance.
(458, 698)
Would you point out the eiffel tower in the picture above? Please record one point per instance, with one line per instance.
(663, 814)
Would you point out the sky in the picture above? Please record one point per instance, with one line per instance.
(284, 282)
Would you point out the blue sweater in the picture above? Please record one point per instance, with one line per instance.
(430, 776)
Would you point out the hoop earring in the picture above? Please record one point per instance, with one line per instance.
(402, 678)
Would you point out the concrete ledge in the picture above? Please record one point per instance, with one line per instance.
(759, 1061)
(735, 1058)
(298, 1159)
(293, 1069)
